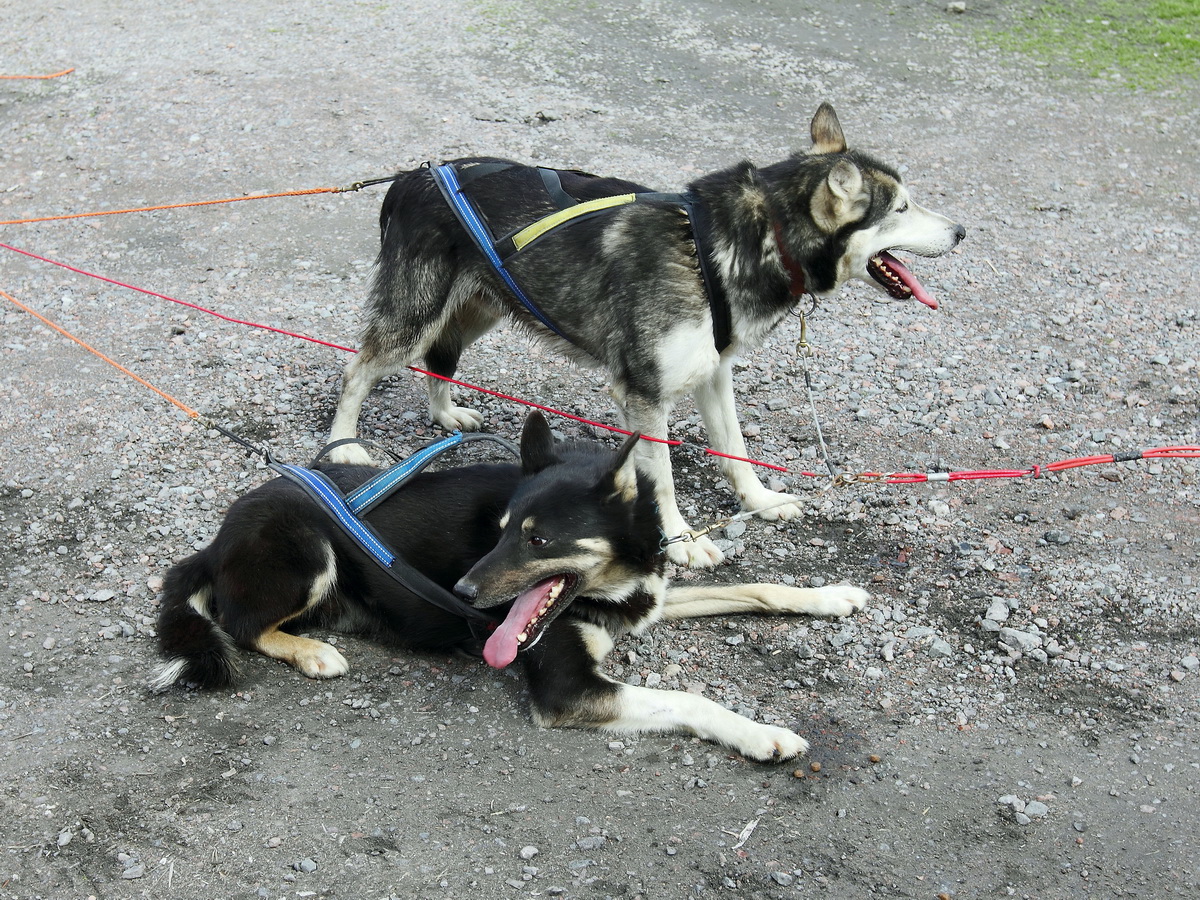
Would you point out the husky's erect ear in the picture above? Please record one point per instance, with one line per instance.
(840, 199)
(826, 131)
(621, 480)
(845, 181)
(537, 445)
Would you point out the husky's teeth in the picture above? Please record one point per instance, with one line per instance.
(522, 637)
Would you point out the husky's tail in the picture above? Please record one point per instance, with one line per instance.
(196, 649)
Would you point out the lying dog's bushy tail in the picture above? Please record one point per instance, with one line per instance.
(197, 650)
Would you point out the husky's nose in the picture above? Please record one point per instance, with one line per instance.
(959, 234)
(466, 589)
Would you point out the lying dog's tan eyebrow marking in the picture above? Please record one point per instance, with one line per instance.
(527, 525)
(596, 545)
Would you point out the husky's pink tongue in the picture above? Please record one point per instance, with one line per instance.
(501, 648)
(909, 280)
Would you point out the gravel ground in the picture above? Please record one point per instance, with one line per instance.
(1015, 714)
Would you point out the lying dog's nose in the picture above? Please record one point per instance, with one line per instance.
(959, 234)
(466, 590)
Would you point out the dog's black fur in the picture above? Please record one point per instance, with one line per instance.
(567, 546)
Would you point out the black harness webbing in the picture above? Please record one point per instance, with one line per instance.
(346, 511)
(453, 181)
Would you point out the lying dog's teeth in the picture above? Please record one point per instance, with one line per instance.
(522, 637)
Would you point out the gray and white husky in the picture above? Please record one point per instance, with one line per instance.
(623, 288)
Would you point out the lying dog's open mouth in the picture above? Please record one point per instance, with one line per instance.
(897, 280)
(527, 619)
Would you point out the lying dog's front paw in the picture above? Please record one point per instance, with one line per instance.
(701, 553)
(768, 743)
(840, 600)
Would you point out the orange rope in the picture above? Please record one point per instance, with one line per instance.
(115, 212)
(187, 409)
(42, 77)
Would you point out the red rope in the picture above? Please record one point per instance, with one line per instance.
(202, 309)
(1179, 452)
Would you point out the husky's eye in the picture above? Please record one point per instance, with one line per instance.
(903, 207)
(538, 541)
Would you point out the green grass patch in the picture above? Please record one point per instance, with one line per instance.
(1140, 44)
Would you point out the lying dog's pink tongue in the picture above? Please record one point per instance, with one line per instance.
(518, 626)
(907, 278)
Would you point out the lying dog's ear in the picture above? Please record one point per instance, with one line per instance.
(537, 445)
(826, 131)
(621, 479)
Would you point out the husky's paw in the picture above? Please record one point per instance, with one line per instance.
(351, 455)
(698, 554)
(320, 660)
(768, 743)
(839, 600)
(457, 418)
(771, 505)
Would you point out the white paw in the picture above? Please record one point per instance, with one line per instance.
(698, 554)
(767, 743)
(457, 418)
(322, 661)
(770, 505)
(351, 455)
(839, 600)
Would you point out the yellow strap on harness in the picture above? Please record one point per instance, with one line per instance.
(532, 232)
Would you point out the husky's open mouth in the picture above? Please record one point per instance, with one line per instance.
(526, 621)
(897, 280)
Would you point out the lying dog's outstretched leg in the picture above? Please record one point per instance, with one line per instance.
(771, 599)
(568, 690)
(715, 401)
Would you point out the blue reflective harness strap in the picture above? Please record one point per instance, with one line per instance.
(446, 180)
(369, 495)
(572, 211)
(327, 496)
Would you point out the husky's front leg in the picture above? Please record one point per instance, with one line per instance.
(568, 691)
(654, 459)
(716, 403)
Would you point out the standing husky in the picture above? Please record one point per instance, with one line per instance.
(565, 546)
(623, 288)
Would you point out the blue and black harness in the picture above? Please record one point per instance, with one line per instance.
(347, 511)
(454, 179)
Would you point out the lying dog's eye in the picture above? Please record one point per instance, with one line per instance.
(538, 541)
(903, 207)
